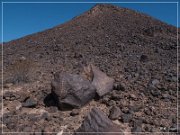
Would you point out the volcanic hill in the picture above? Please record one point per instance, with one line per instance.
(136, 50)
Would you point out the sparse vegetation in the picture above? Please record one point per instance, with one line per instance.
(19, 71)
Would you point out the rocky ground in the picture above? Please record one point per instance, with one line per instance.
(137, 51)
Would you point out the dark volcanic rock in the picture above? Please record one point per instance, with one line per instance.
(96, 121)
(115, 112)
(71, 91)
(101, 81)
(136, 129)
(30, 102)
(11, 96)
(74, 112)
(144, 58)
(155, 92)
(155, 82)
(119, 86)
(126, 118)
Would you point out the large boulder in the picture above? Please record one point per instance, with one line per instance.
(101, 81)
(98, 123)
(71, 91)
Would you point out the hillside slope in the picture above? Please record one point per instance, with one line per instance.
(138, 51)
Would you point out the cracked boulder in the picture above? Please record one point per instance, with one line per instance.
(100, 80)
(71, 91)
(96, 122)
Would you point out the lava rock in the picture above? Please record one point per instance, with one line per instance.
(136, 129)
(52, 109)
(71, 91)
(119, 86)
(97, 121)
(45, 116)
(155, 92)
(11, 96)
(105, 100)
(133, 96)
(27, 129)
(143, 58)
(101, 81)
(115, 96)
(165, 96)
(8, 85)
(126, 118)
(74, 112)
(155, 82)
(30, 102)
(111, 103)
(125, 110)
(147, 111)
(115, 112)
(174, 128)
(135, 108)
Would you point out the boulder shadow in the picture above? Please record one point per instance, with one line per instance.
(50, 100)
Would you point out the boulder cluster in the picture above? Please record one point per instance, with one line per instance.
(74, 91)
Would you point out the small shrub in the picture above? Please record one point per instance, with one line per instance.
(19, 71)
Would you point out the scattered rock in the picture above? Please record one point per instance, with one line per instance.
(71, 91)
(52, 109)
(111, 103)
(173, 128)
(156, 122)
(143, 58)
(10, 96)
(8, 85)
(96, 121)
(119, 86)
(13, 106)
(138, 122)
(115, 112)
(148, 128)
(27, 129)
(126, 118)
(136, 129)
(166, 96)
(155, 82)
(125, 110)
(155, 92)
(115, 96)
(133, 96)
(30, 102)
(135, 108)
(102, 82)
(147, 111)
(104, 100)
(74, 112)
(45, 116)
(174, 78)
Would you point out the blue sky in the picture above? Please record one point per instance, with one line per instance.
(24, 19)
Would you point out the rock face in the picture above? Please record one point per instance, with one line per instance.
(97, 121)
(71, 91)
(101, 81)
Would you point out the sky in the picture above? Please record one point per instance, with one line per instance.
(21, 19)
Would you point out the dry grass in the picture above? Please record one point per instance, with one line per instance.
(19, 71)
